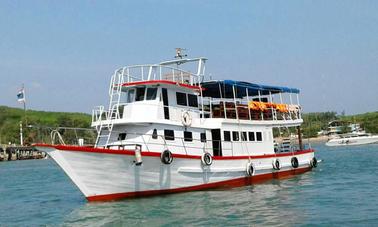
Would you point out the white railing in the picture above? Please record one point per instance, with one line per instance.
(99, 113)
(215, 108)
(164, 71)
(239, 109)
(157, 72)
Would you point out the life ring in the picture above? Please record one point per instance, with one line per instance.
(314, 162)
(166, 157)
(186, 118)
(207, 159)
(294, 162)
(276, 164)
(250, 169)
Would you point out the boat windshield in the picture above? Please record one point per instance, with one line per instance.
(140, 94)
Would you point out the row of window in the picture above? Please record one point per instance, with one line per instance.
(188, 136)
(141, 93)
(244, 136)
(184, 99)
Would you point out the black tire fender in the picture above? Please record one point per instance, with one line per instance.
(166, 157)
(251, 169)
(276, 164)
(294, 162)
(206, 159)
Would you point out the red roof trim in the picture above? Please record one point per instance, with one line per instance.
(222, 184)
(157, 154)
(162, 82)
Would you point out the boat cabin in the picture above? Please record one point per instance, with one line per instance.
(162, 106)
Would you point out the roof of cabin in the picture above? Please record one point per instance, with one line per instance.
(212, 89)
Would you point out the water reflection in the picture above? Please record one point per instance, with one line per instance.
(342, 191)
(271, 203)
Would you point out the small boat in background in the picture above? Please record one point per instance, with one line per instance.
(353, 139)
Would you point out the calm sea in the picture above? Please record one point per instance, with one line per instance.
(342, 191)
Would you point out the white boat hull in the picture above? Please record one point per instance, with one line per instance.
(352, 141)
(105, 174)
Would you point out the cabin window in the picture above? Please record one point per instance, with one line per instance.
(130, 96)
(169, 134)
(227, 136)
(235, 136)
(154, 134)
(151, 93)
(258, 136)
(251, 136)
(244, 136)
(192, 100)
(188, 136)
(181, 99)
(203, 137)
(140, 94)
(122, 136)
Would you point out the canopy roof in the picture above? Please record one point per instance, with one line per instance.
(212, 89)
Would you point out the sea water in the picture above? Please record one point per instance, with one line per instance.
(343, 190)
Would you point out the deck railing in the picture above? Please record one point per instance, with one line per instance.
(170, 70)
(223, 108)
(212, 109)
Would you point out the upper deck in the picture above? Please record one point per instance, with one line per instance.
(170, 71)
(163, 92)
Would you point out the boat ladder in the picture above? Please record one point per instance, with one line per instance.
(115, 92)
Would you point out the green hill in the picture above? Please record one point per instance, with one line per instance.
(38, 122)
(368, 121)
(314, 122)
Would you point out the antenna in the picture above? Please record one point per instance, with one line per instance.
(179, 53)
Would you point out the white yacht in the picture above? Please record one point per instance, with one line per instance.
(167, 130)
(350, 139)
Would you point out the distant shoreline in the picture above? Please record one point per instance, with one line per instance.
(319, 139)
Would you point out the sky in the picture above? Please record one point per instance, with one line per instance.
(64, 52)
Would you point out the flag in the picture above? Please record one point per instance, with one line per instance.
(21, 95)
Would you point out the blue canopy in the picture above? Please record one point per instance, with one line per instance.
(224, 87)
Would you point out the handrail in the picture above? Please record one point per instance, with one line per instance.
(99, 114)
(55, 134)
(154, 72)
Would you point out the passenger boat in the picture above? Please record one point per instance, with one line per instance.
(351, 139)
(167, 130)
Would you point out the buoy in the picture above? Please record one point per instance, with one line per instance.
(314, 162)
(276, 164)
(250, 169)
(166, 157)
(207, 159)
(294, 162)
(186, 118)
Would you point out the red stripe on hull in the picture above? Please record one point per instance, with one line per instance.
(157, 154)
(223, 184)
